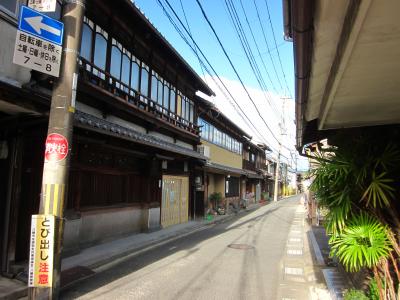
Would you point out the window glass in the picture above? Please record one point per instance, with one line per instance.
(191, 117)
(187, 109)
(135, 76)
(166, 96)
(211, 133)
(172, 100)
(160, 92)
(144, 82)
(115, 68)
(126, 64)
(86, 45)
(154, 86)
(100, 51)
(203, 128)
(183, 112)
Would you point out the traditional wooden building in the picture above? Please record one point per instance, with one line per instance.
(254, 164)
(135, 133)
(270, 176)
(222, 143)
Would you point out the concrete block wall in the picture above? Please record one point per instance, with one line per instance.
(101, 225)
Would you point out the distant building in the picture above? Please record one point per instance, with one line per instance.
(222, 143)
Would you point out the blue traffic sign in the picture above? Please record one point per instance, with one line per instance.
(40, 25)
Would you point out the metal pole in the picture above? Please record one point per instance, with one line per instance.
(282, 127)
(277, 174)
(55, 173)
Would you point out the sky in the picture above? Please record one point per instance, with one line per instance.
(265, 107)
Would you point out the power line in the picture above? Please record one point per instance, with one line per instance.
(188, 26)
(201, 52)
(233, 67)
(241, 113)
(247, 49)
(276, 46)
(266, 42)
(257, 47)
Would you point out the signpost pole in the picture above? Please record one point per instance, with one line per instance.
(59, 139)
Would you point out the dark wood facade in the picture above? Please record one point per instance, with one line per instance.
(136, 121)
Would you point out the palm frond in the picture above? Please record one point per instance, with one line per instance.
(379, 193)
(362, 243)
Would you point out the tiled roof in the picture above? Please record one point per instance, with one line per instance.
(85, 120)
(254, 175)
(249, 174)
(211, 165)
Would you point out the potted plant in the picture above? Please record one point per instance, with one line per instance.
(215, 199)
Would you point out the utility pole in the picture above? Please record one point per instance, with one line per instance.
(276, 189)
(282, 128)
(59, 141)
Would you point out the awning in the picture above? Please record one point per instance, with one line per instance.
(224, 169)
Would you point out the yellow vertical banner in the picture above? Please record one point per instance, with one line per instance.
(41, 251)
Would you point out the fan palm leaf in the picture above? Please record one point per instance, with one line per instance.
(362, 243)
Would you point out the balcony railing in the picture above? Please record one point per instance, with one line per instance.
(91, 73)
(254, 166)
(249, 165)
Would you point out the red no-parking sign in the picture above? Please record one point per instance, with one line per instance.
(56, 147)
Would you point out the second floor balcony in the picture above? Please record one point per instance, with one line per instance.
(108, 84)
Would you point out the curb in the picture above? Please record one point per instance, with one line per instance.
(317, 250)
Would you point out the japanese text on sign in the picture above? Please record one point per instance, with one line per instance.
(37, 54)
(56, 147)
(41, 251)
(42, 5)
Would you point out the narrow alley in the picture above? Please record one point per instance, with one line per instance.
(261, 255)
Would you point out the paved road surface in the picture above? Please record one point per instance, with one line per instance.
(260, 255)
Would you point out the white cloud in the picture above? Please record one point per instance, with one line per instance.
(269, 105)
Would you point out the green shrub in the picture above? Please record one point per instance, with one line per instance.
(215, 198)
(354, 294)
(373, 292)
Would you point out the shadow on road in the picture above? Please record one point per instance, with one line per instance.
(189, 244)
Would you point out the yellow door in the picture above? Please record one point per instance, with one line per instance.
(175, 200)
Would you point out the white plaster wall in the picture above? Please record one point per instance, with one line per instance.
(126, 124)
(10, 72)
(183, 144)
(88, 109)
(97, 113)
(162, 136)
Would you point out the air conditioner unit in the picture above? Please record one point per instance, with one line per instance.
(205, 150)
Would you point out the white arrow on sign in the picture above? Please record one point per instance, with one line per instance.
(36, 23)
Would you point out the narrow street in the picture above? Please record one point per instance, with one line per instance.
(260, 255)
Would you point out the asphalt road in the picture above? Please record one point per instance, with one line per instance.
(245, 258)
